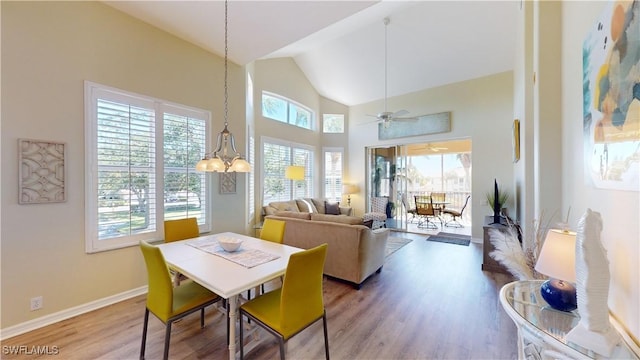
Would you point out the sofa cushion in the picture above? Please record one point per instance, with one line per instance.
(285, 205)
(319, 204)
(343, 219)
(331, 208)
(306, 205)
(294, 214)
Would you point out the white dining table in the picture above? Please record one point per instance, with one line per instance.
(225, 277)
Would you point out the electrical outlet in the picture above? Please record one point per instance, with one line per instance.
(36, 303)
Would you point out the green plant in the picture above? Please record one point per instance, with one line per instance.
(502, 197)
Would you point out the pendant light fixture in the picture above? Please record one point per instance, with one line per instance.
(225, 158)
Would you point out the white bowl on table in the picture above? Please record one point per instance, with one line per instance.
(229, 244)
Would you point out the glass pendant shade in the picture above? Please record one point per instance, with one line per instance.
(240, 165)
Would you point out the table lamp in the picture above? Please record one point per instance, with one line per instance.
(294, 172)
(349, 189)
(557, 260)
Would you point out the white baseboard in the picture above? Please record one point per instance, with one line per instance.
(69, 313)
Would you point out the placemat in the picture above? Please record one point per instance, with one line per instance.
(246, 257)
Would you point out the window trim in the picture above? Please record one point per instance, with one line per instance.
(93, 91)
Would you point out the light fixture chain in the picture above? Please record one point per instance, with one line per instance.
(386, 24)
(226, 51)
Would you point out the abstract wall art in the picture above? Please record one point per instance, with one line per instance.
(611, 101)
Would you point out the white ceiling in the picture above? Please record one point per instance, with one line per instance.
(339, 45)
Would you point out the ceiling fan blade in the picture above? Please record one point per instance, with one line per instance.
(370, 122)
(399, 113)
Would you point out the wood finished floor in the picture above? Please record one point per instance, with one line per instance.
(431, 301)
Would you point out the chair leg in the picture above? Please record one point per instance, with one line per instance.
(281, 339)
(202, 318)
(167, 337)
(326, 336)
(144, 333)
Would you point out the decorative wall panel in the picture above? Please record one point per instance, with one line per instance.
(423, 125)
(41, 172)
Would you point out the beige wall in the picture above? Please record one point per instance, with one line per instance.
(620, 210)
(481, 110)
(48, 50)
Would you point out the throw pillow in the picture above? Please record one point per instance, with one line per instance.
(305, 206)
(332, 209)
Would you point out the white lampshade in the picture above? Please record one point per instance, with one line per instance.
(558, 255)
(294, 172)
(349, 189)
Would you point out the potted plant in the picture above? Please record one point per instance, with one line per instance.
(502, 198)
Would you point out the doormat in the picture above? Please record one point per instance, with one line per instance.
(394, 244)
(450, 238)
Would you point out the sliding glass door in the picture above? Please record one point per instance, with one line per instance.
(401, 172)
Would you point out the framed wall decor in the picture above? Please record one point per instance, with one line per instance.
(516, 140)
(41, 172)
(227, 183)
(423, 125)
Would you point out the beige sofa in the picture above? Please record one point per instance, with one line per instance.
(307, 205)
(355, 251)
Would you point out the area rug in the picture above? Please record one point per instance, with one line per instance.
(395, 243)
(450, 238)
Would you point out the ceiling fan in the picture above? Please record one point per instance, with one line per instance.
(386, 117)
(430, 147)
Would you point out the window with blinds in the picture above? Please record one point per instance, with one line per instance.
(276, 156)
(333, 174)
(140, 160)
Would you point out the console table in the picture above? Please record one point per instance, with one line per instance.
(542, 330)
(488, 263)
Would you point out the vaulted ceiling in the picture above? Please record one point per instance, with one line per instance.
(340, 45)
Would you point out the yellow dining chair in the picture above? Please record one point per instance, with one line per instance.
(180, 229)
(296, 305)
(273, 230)
(166, 302)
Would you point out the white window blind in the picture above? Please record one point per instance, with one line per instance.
(333, 174)
(277, 155)
(184, 143)
(126, 169)
(140, 159)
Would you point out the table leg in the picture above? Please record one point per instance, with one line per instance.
(233, 314)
